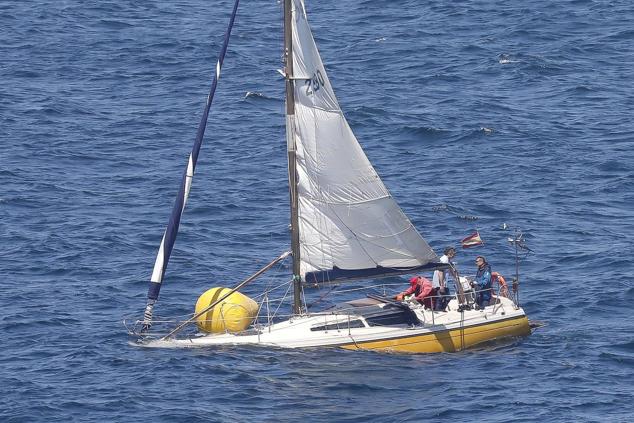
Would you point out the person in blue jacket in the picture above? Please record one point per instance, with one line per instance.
(482, 282)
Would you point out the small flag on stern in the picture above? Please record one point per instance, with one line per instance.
(472, 240)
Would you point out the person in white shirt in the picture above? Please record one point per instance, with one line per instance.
(440, 281)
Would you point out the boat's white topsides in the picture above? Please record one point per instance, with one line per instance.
(334, 329)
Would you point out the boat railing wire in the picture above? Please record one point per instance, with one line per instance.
(269, 306)
(163, 326)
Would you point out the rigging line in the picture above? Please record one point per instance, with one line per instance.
(366, 288)
(304, 299)
(268, 288)
(290, 284)
(309, 306)
(268, 291)
(231, 291)
(275, 300)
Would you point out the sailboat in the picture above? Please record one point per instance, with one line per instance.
(345, 225)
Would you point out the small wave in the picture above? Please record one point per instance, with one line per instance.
(613, 165)
(423, 130)
(627, 346)
(251, 94)
(255, 96)
(473, 134)
(581, 89)
(28, 324)
(455, 211)
(619, 358)
(378, 40)
(619, 36)
(441, 207)
(114, 24)
(468, 218)
(505, 59)
(26, 73)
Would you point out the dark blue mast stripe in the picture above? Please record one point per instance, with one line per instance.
(177, 211)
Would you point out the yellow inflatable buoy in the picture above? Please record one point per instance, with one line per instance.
(233, 314)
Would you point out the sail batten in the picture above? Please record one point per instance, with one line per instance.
(350, 226)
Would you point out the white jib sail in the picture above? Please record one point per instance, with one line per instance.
(347, 217)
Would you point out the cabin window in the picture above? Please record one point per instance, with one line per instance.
(389, 319)
(339, 326)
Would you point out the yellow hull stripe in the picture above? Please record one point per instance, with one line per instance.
(448, 340)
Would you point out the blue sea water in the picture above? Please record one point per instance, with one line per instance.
(475, 113)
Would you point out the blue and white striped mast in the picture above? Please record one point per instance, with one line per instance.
(169, 237)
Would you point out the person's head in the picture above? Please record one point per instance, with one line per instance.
(414, 280)
(480, 261)
(450, 252)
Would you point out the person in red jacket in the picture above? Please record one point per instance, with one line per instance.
(421, 288)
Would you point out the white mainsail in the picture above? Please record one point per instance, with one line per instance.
(348, 220)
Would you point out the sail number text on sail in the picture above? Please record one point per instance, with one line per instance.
(314, 83)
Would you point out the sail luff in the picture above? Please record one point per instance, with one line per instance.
(169, 237)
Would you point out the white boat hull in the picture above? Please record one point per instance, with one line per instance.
(438, 331)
